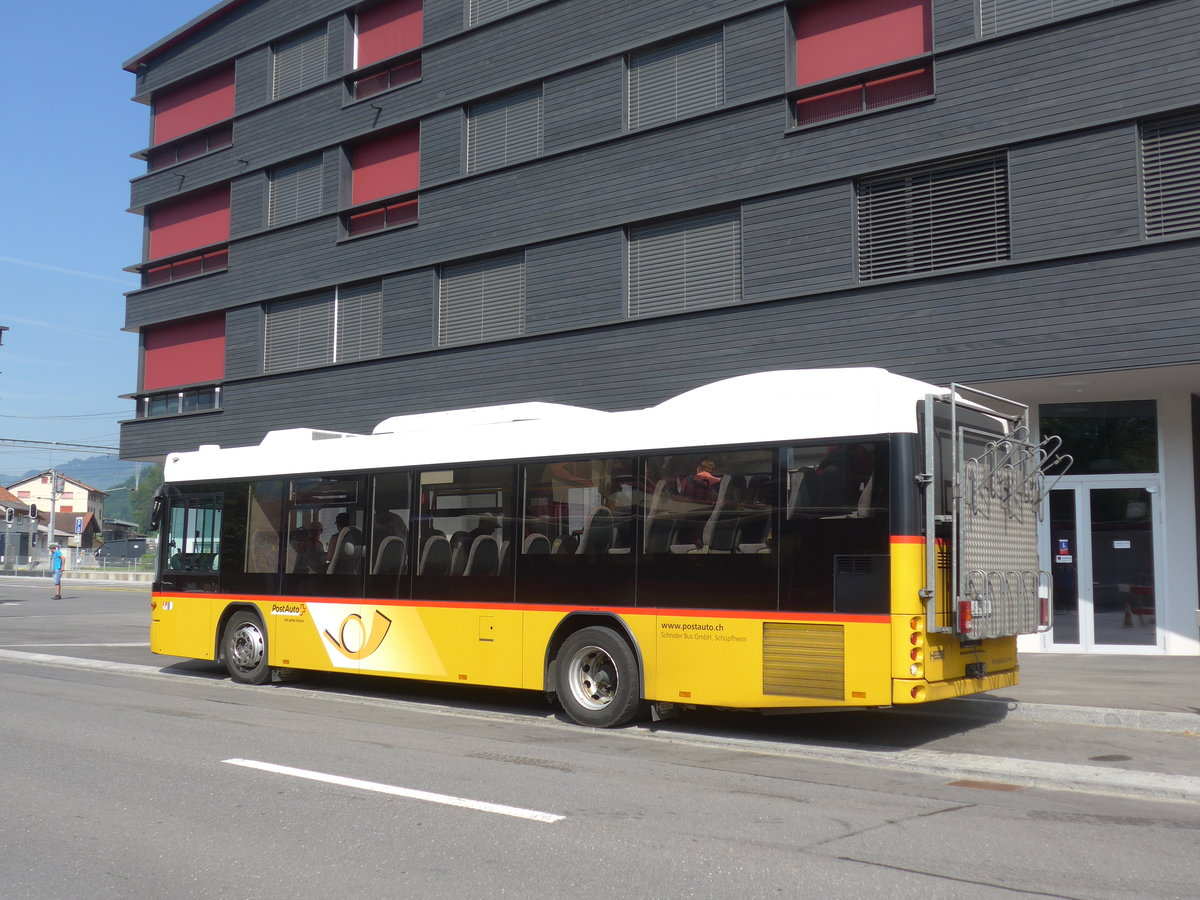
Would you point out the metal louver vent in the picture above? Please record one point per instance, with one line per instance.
(999, 16)
(1171, 173)
(482, 300)
(685, 264)
(803, 660)
(941, 216)
(677, 80)
(485, 10)
(299, 63)
(295, 192)
(504, 130)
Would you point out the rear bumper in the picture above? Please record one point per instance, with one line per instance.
(902, 689)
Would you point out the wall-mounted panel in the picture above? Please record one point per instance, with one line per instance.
(1075, 192)
(799, 241)
(576, 282)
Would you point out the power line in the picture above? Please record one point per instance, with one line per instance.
(53, 445)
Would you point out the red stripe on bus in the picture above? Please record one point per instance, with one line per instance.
(529, 607)
(908, 539)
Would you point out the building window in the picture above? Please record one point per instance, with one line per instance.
(999, 16)
(482, 300)
(387, 47)
(189, 351)
(338, 325)
(384, 174)
(190, 147)
(941, 216)
(504, 130)
(299, 63)
(853, 56)
(182, 235)
(294, 191)
(481, 11)
(1171, 173)
(685, 264)
(176, 403)
(685, 78)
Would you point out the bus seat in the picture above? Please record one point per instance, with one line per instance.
(597, 536)
(799, 497)
(435, 556)
(347, 553)
(536, 543)
(390, 557)
(484, 556)
(720, 513)
(505, 558)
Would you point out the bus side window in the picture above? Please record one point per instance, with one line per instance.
(264, 531)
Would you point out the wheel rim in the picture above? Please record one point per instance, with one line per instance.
(247, 646)
(592, 678)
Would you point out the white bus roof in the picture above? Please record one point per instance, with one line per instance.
(762, 408)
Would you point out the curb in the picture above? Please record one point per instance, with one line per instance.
(1062, 714)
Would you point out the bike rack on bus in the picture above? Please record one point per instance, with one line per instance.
(1007, 480)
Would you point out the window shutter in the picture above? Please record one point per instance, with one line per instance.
(485, 10)
(182, 110)
(940, 216)
(299, 63)
(358, 317)
(685, 264)
(385, 166)
(1171, 173)
(386, 30)
(681, 79)
(299, 332)
(197, 220)
(999, 16)
(482, 300)
(183, 352)
(295, 191)
(504, 130)
(838, 37)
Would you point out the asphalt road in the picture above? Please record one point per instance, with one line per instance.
(129, 775)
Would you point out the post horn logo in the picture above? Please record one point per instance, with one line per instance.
(353, 640)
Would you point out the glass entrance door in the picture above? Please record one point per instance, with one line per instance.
(1104, 564)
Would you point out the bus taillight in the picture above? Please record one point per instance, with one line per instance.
(966, 617)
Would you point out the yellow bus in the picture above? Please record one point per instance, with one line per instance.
(783, 540)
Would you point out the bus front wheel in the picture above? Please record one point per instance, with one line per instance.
(244, 647)
(597, 678)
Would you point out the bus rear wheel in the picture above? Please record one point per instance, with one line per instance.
(244, 647)
(597, 678)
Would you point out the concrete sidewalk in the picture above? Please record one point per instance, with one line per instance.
(1150, 693)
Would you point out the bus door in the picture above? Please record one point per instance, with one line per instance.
(323, 561)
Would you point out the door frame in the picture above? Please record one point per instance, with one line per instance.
(1081, 485)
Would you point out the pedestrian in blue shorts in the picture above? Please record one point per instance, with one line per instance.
(56, 566)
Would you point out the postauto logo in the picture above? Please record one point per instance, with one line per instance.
(354, 640)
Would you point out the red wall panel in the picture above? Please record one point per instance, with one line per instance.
(842, 36)
(388, 29)
(386, 166)
(194, 106)
(197, 220)
(189, 351)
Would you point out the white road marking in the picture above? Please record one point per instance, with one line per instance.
(938, 763)
(129, 644)
(393, 790)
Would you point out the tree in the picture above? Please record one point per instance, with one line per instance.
(133, 501)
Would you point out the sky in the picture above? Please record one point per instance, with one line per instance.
(68, 128)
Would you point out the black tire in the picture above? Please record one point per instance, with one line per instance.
(596, 677)
(244, 648)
